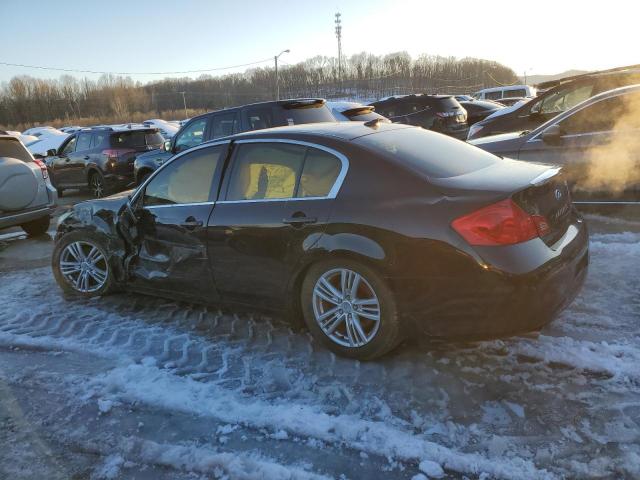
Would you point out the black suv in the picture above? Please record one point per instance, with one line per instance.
(440, 113)
(100, 157)
(559, 96)
(222, 123)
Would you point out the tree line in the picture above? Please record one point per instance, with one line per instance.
(26, 101)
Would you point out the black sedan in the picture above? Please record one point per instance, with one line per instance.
(478, 110)
(368, 231)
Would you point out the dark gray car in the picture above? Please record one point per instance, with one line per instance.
(27, 198)
(597, 143)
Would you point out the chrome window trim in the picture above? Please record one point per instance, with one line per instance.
(140, 188)
(334, 189)
(180, 204)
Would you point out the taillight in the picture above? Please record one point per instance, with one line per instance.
(43, 168)
(111, 153)
(502, 223)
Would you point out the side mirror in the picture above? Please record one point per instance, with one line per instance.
(167, 146)
(52, 152)
(552, 135)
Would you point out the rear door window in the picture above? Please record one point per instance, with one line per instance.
(225, 124)
(84, 142)
(319, 174)
(99, 139)
(564, 99)
(259, 118)
(264, 171)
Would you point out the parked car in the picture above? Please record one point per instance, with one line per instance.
(464, 98)
(354, 112)
(509, 102)
(603, 129)
(479, 109)
(37, 131)
(70, 129)
(222, 123)
(371, 232)
(506, 91)
(440, 113)
(166, 129)
(100, 157)
(566, 93)
(47, 140)
(27, 198)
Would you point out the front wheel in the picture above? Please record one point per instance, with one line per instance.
(80, 265)
(351, 309)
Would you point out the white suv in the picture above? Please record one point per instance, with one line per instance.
(27, 197)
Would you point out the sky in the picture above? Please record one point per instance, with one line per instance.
(541, 37)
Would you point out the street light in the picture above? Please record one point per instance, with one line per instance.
(277, 83)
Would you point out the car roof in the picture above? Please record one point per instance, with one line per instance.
(628, 69)
(285, 102)
(339, 130)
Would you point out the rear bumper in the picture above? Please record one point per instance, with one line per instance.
(490, 303)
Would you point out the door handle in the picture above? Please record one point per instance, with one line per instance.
(301, 220)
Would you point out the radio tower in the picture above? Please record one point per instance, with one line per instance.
(339, 37)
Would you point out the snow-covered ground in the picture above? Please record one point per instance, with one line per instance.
(130, 386)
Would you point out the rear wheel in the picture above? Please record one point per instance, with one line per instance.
(37, 227)
(351, 309)
(97, 185)
(80, 265)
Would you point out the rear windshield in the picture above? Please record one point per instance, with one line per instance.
(428, 153)
(307, 114)
(445, 103)
(14, 149)
(137, 139)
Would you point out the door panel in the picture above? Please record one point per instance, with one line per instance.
(60, 164)
(78, 159)
(173, 253)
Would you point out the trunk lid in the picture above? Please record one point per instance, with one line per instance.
(537, 189)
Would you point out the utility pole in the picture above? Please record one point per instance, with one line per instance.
(184, 102)
(275, 58)
(338, 31)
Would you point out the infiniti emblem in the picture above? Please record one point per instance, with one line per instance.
(558, 194)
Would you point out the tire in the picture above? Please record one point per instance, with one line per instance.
(97, 184)
(37, 227)
(372, 341)
(67, 280)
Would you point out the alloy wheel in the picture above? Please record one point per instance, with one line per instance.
(84, 266)
(346, 308)
(97, 186)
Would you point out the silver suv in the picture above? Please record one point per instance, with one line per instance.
(27, 197)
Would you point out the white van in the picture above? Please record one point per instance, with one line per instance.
(496, 93)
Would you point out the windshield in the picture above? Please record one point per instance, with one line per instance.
(432, 154)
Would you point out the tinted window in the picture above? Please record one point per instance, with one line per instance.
(69, 147)
(319, 173)
(563, 99)
(447, 103)
(259, 118)
(225, 124)
(307, 114)
(604, 116)
(265, 170)
(84, 142)
(187, 179)
(192, 135)
(493, 95)
(14, 149)
(428, 153)
(515, 93)
(137, 139)
(99, 139)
